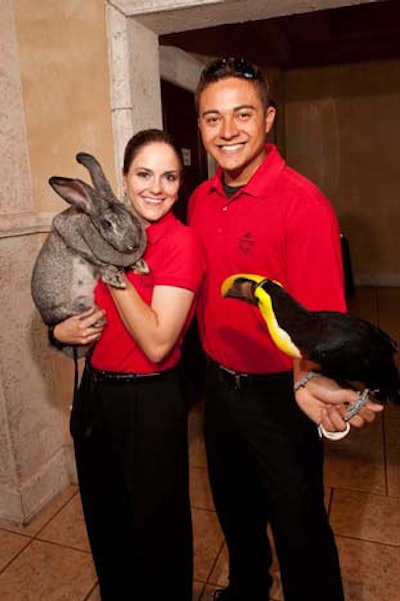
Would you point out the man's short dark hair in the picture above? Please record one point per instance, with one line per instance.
(222, 68)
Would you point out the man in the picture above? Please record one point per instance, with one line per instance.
(265, 458)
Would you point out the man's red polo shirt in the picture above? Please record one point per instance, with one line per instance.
(278, 225)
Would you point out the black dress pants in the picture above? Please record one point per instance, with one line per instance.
(131, 448)
(265, 464)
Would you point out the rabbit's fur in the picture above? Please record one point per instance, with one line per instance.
(92, 239)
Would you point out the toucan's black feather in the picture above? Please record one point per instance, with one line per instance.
(347, 348)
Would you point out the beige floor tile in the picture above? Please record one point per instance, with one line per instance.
(273, 597)
(276, 589)
(208, 592)
(370, 570)
(198, 588)
(11, 544)
(208, 539)
(49, 572)
(357, 461)
(220, 572)
(200, 492)
(391, 417)
(95, 596)
(366, 516)
(68, 527)
(47, 513)
(393, 471)
(197, 453)
(328, 497)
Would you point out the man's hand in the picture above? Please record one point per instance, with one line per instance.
(326, 404)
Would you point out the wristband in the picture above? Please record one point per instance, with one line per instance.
(334, 435)
(304, 380)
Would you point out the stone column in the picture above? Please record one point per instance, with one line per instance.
(135, 80)
(33, 465)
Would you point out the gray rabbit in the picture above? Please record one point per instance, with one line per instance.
(92, 239)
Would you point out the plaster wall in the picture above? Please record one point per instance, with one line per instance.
(63, 59)
(55, 102)
(342, 131)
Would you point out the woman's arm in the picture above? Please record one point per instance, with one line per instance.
(155, 327)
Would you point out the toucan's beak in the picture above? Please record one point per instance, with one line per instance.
(241, 286)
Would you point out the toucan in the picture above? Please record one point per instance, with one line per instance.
(348, 349)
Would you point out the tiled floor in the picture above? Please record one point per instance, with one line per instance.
(49, 559)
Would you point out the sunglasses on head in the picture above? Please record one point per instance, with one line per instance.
(238, 66)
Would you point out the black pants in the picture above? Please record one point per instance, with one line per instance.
(131, 451)
(265, 464)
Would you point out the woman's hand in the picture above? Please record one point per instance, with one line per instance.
(83, 329)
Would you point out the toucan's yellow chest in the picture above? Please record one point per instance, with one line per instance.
(279, 336)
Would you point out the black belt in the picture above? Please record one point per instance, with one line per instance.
(238, 379)
(120, 377)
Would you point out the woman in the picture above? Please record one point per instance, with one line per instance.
(129, 422)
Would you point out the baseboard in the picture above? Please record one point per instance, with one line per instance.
(377, 279)
(19, 506)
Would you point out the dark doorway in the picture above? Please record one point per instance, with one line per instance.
(180, 121)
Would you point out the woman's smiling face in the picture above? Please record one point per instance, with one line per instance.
(153, 181)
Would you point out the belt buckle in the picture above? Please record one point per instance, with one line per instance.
(237, 380)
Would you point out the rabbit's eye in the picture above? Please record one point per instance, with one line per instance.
(107, 223)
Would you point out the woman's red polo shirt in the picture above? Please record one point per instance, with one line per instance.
(175, 258)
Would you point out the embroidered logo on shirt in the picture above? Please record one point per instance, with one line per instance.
(246, 243)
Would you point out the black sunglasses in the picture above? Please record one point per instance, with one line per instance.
(238, 66)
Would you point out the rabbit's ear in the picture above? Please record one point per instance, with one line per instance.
(97, 176)
(74, 191)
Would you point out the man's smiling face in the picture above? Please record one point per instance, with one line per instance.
(233, 123)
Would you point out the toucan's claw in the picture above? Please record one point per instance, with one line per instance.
(354, 408)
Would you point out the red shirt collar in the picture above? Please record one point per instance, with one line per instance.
(158, 229)
(263, 179)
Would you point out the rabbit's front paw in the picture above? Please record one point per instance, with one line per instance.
(141, 267)
(114, 277)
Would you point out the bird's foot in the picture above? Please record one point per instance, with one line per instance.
(354, 408)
